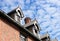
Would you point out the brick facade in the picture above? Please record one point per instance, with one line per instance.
(9, 32)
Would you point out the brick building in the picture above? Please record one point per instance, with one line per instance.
(12, 30)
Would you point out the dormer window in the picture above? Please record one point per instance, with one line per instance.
(36, 27)
(17, 18)
(45, 37)
(16, 14)
(32, 26)
(35, 32)
(19, 13)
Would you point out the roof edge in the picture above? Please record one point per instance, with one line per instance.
(5, 16)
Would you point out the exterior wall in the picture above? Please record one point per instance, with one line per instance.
(8, 32)
(30, 38)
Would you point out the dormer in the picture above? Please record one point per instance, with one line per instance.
(45, 37)
(32, 26)
(16, 14)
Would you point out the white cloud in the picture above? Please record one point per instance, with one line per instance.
(33, 7)
(41, 12)
(47, 15)
(29, 13)
(50, 10)
(28, 1)
(52, 1)
(57, 2)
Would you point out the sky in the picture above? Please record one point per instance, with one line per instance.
(46, 12)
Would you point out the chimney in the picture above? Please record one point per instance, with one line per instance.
(16, 14)
(27, 20)
(32, 26)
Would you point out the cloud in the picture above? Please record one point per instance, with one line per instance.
(47, 13)
(55, 2)
(29, 13)
(50, 10)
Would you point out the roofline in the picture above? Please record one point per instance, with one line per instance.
(12, 12)
(31, 24)
(44, 36)
(12, 21)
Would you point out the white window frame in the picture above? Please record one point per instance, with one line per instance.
(18, 12)
(34, 31)
(16, 17)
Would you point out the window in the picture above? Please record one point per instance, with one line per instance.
(16, 17)
(18, 12)
(34, 31)
(23, 38)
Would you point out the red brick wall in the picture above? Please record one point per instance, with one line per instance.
(30, 38)
(8, 31)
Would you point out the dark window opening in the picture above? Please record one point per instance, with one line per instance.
(35, 31)
(19, 12)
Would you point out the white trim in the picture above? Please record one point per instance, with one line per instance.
(34, 31)
(18, 12)
(15, 16)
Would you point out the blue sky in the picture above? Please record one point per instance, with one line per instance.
(47, 13)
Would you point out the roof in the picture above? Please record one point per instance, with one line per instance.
(12, 21)
(15, 11)
(34, 22)
(44, 36)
